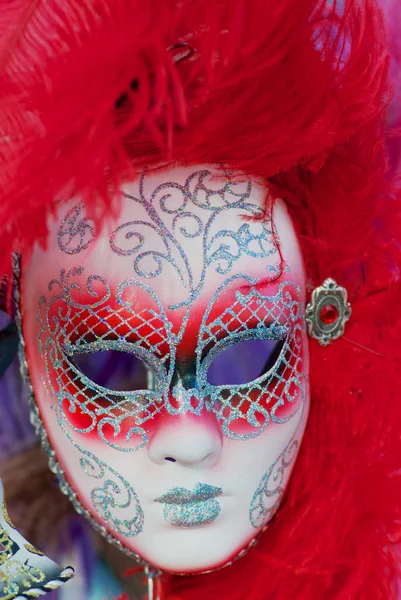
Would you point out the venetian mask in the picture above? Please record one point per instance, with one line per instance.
(167, 357)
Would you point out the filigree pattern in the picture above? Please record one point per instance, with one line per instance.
(79, 318)
(6, 546)
(177, 213)
(83, 313)
(76, 232)
(254, 316)
(115, 500)
(17, 578)
(20, 580)
(270, 490)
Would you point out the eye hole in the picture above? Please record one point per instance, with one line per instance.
(114, 369)
(244, 362)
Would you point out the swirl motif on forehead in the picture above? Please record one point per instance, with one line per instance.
(75, 234)
(191, 210)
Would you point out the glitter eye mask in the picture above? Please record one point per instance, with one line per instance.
(113, 369)
(85, 320)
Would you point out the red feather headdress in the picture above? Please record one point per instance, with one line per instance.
(291, 91)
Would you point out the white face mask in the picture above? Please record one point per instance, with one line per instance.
(168, 358)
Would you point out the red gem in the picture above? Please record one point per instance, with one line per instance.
(328, 314)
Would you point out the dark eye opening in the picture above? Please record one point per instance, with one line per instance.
(114, 369)
(244, 362)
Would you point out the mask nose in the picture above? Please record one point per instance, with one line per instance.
(188, 440)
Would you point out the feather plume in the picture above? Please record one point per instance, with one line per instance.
(291, 91)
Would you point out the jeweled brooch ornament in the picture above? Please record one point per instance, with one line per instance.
(327, 312)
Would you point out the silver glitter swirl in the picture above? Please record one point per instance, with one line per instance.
(208, 194)
(115, 501)
(227, 246)
(128, 235)
(268, 495)
(171, 210)
(75, 233)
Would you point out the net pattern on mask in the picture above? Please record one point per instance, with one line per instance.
(121, 328)
(197, 212)
(147, 334)
(69, 329)
(253, 316)
(108, 324)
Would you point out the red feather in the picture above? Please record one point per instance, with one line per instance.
(293, 91)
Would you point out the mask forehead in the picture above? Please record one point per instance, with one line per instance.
(195, 228)
(183, 238)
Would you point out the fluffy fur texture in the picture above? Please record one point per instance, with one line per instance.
(293, 92)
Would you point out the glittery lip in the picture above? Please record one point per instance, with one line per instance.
(184, 508)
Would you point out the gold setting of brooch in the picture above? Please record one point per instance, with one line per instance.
(327, 312)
